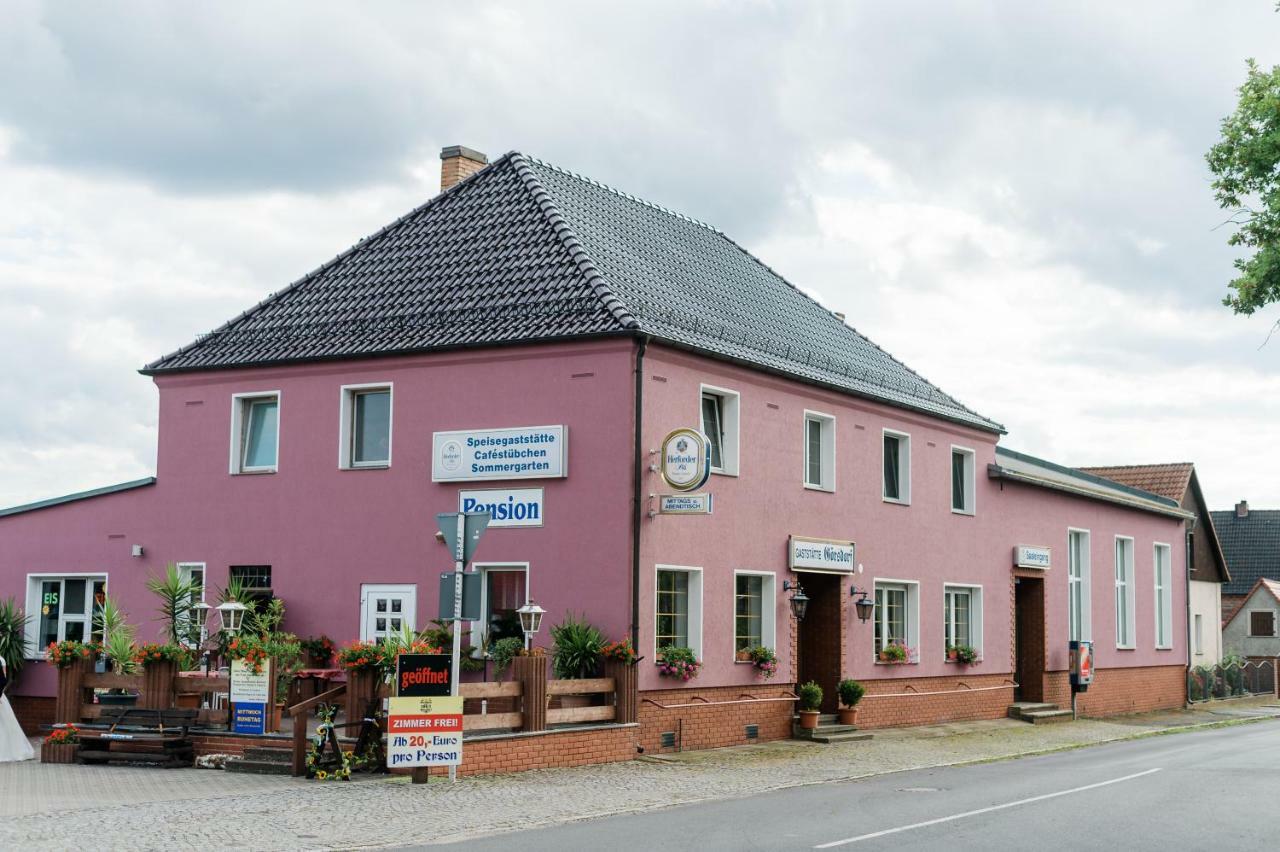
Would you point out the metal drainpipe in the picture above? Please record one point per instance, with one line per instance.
(637, 508)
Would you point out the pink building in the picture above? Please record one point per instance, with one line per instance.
(524, 341)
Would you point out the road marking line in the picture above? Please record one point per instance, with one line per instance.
(849, 840)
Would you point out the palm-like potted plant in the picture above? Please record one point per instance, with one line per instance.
(810, 700)
(851, 693)
(575, 654)
(13, 636)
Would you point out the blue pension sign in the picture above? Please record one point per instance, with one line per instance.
(507, 507)
(522, 452)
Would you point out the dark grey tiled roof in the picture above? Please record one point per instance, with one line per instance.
(524, 252)
(1251, 545)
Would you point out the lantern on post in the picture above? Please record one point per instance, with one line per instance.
(530, 620)
(232, 615)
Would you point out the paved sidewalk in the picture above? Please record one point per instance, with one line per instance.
(142, 808)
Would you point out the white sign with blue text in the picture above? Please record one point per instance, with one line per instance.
(684, 504)
(821, 554)
(522, 452)
(507, 507)
(1030, 556)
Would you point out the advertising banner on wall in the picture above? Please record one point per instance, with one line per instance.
(250, 692)
(424, 732)
(686, 464)
(821, 554)
(522, 452)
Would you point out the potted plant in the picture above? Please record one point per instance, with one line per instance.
(810, 699)
(503, 652)
(894, 653)
(160, 664)
(60, 746)
(764, 660)
(118, 646)
(678, 662)
(318, 651)
(952, 651)
(620, 651)
(575, 654)
(851, 693)
(13, 636)
(965, 654)
(177, 600)
(742, 655)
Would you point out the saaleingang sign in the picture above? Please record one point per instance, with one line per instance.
(523, 452)
(820, 554)
(686, 464)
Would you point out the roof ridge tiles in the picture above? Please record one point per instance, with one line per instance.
(569, 239)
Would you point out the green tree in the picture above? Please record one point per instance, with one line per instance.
(1246, 169)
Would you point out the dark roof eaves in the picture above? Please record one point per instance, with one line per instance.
(79, 495)
(1193, 482)
(1089, 477)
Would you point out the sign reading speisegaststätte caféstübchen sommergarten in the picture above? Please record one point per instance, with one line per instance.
(521, 452)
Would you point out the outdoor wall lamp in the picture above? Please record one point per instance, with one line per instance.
(231, 613)
(530, 620)
(799, 600)
(201, 611)
(863, 604)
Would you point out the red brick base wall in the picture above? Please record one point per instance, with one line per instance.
(721, 722)
(33, 712)
(894, 703)
(1118, 691)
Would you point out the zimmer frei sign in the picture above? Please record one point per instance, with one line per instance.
(821, 554)
(522, 452)
(424, 722)
(686, 463)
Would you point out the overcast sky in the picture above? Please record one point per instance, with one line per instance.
(1010, 197)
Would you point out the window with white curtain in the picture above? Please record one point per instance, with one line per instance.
(1164, 596)
(1124, 593)
(1079, 625)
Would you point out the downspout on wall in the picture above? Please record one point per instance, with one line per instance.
(638, 500)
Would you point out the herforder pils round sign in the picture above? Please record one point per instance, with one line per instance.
(686, 464)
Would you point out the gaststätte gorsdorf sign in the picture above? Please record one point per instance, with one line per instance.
(521, 452)
(686, 464)
(507, 507)
(821, 554)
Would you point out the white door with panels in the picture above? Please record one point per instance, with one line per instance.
(386, 610)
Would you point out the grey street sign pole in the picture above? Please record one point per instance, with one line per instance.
(466, 531)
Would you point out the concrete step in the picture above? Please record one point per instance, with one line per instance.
(823, 730)
(849, 737)
(257, 767)
(1042, 717)
(1018, 708)
(266, 754)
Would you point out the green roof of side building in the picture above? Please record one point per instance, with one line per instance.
(79, 495)
(523, 252)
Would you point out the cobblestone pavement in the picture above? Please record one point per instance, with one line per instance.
(58, 807)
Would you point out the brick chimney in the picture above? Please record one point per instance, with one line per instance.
(458, 162)
(1242, 509)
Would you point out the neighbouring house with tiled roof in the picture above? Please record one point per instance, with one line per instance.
(1251, 543)
(1206, 565)
(1253, 630)
(672, 441)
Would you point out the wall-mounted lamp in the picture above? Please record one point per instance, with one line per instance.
(799, 600)
(863, 604)
(137, 551)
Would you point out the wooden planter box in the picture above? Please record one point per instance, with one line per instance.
(71, 691)
(157, 685)
(362, 686)
(58, 752)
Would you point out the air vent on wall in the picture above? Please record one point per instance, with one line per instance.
(753, 732)
(668, 739)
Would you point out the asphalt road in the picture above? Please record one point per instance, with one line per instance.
(1213, 789)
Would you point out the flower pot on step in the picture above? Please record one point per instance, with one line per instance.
(848, 715)
(58, 752)
(808, 719)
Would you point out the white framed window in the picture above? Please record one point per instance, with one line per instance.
(720, 407)
(1164, 595)
(1199, 634)
(504, 588)
(193, 573)
(1125, 615)
(1079, 621)
(962, 616)
(364, 433)
(754, 610)
(678, 608)
(61, 607)
(819, 451)
(897, 467)
(386, 610)
(897, 616)
(963, 484)
(255, 432)
(1262, 622)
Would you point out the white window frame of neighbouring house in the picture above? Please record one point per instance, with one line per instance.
(819, 451)
(899, 471)
(246, 428)
(193, 572)
(1079, 619)
(971, 594)
(1162, 574)
(353, 427)
(35, 646)
(682, 599)
(718, 414)
(884, 623)
(1125, 600)
(754, 606)
(963, 483)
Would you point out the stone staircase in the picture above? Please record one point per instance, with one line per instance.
(1037, 713)
(829, 730)
(260, 760)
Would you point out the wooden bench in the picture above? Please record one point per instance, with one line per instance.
(138, 735)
